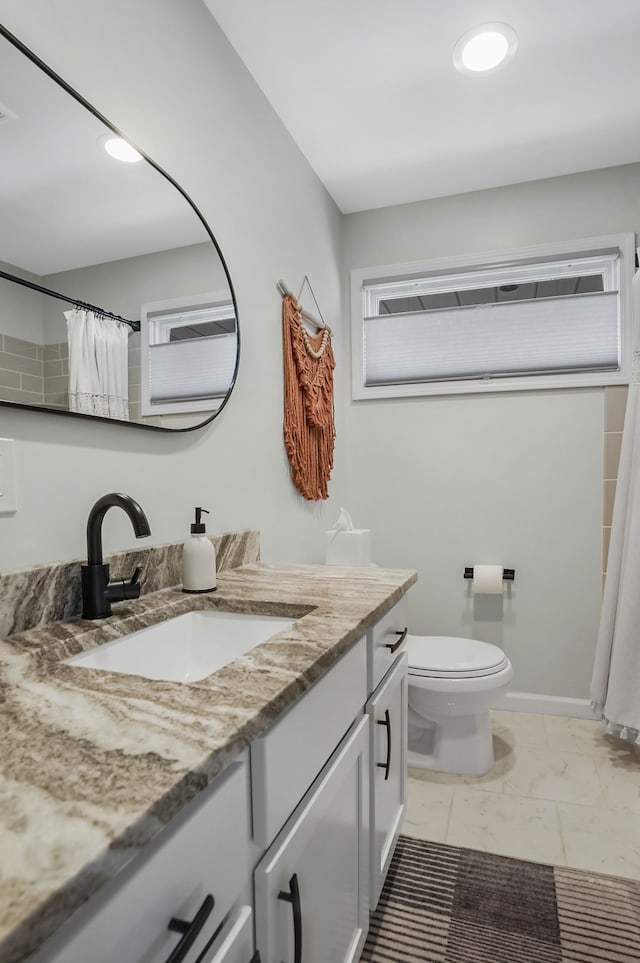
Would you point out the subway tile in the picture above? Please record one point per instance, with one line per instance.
(615, 403)
(607, 506)
(52, 368)
(606, 539)
(20, 397)
(612, 445)
(16, 362)
(26, 349)
(55, 385)
(57, 401)
(51, 352)
(31, 383)
(134, 394)
(9, 379)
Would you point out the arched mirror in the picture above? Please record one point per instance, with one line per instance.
(115, 300)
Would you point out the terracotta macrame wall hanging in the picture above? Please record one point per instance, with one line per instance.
(309, 428)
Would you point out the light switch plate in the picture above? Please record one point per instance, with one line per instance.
(8, 489)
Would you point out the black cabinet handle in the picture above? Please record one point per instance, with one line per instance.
(189, 930)
(386, 722)
(293, 897)
(393, 646)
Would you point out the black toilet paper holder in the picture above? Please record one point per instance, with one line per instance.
(508, 574)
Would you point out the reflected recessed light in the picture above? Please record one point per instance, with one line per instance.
(119, 148)
(485, 48)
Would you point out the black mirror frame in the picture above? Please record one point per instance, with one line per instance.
(85, 103)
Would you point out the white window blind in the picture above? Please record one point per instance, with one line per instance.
(192, 370)
(494, 340)
(548, 316)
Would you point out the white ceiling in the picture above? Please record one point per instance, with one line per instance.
(368, 90)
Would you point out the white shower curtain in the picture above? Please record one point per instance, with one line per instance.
(615, 687)
(98, 365)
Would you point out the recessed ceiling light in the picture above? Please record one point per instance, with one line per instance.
(485, 48)
(119, 148)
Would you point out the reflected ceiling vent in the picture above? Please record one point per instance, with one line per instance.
(6, 115)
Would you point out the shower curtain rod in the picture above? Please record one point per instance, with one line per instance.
(134, 325)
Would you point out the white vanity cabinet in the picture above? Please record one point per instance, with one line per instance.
(387, 709)
(311, 887)
(169, 904)
(282, 858)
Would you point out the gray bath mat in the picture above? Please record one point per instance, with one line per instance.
(441, 904)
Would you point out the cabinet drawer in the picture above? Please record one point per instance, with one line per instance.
(204, 851)
(384, 633)
(286, 760)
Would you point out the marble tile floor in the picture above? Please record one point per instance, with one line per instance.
(560, 792)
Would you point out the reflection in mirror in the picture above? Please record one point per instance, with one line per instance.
(86, 239)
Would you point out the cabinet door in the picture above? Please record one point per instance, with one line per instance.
(311, 887)
(388, 711)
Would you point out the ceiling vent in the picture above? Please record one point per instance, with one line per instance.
(6, 115)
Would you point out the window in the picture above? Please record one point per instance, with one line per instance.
(549, 316)
(189, 353)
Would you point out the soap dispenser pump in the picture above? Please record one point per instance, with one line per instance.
(198, 559)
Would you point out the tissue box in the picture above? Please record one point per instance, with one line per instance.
(348, 548)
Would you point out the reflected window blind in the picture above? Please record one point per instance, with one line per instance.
(192, 370)
(579, 333)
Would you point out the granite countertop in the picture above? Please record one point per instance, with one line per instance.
(95, 764)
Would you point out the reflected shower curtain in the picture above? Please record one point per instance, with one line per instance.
(615, 687)
(98, 365)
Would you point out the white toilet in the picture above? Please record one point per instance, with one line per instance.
(452, 685)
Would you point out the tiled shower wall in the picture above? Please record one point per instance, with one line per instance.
(34, 374)
(615, 403)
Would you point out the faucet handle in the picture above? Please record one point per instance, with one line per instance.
(135, 578)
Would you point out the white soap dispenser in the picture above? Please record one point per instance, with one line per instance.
(198, 559)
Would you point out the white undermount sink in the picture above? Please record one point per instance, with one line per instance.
(183, 649)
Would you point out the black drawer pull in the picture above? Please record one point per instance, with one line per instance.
(294, 898)
(386, 722)
(394, 646)
(189, 930)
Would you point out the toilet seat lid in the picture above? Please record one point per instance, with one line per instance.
(444, 656)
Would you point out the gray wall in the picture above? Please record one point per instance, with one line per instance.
(443, 482)
(512, 478)
(21, 309)
(122, 286)
(272, 218)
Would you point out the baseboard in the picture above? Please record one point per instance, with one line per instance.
(546, 705)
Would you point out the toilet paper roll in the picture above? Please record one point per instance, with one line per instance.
(487, 580)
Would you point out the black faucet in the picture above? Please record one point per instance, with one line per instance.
(97, 592)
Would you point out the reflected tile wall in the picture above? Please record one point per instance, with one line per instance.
(34, 374)
(615, 403)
